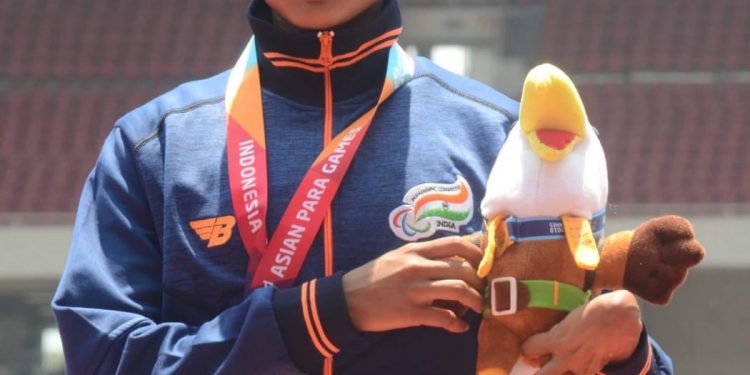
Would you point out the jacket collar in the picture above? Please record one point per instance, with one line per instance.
(289, 60)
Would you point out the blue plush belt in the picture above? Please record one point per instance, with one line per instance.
(547, 227)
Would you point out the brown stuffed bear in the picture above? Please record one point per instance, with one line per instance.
(544, 208)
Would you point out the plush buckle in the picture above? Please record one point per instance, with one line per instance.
(497, 286)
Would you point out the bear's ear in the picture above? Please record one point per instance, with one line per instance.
(581, 242)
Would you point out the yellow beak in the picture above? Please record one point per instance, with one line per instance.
(552, 115)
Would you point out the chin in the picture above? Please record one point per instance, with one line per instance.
(320, 15)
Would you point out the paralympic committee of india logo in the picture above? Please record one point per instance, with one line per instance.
(431, 207)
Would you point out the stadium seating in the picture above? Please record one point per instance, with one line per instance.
(70, 68)
(614, 35)
(674, 143)
(119, 39)
(665, 144)
(49, 142)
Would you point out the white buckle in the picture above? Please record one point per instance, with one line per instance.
(513, 295)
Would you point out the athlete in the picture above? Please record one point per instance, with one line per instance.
(305, 211)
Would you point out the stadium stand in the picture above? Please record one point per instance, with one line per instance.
(674, 143)
(119, 39)
(667, 83)
(72, 68)
(613, 35)
(667, 141)
(52, 141)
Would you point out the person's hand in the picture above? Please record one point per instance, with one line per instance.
(398, 289)
(603, 331)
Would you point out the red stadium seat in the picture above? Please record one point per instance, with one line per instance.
(609, 35)
(85, 63)
(674, 143)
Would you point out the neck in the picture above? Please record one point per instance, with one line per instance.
(366, 16)
(275, 36)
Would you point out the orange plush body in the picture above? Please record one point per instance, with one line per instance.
(551, 173)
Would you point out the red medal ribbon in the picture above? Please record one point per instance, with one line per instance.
(279, 262)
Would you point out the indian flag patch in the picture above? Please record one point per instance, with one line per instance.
(431, 207)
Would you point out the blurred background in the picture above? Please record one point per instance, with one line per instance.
(667, 83)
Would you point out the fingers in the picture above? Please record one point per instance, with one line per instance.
(452, 290)
(453, 268)
(539, 345)
(577, 363)
(605, 329)
(440, 318)
(407, 281)
(558, 365)
(447, 247)
(594, 365)
(475, 238)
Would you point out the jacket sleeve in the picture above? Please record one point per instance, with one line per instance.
(108, 302)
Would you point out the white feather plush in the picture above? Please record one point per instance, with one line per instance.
(523, 185)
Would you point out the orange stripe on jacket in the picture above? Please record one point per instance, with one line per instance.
(328, 242)
(383, 45)
(316, 320)
(281, 56)
(315, 65)
(364, 46)
(292, 64)
(647, 366)
(308, 324)
(367, 45)
(316, 68)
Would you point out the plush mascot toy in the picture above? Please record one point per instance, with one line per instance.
(544, 211)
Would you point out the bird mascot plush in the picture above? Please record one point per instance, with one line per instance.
(544, 215)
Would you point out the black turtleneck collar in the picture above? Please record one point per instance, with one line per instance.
(308, 87)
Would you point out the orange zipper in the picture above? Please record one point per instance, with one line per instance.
(326, 58)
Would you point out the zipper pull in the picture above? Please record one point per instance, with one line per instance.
(326, 43)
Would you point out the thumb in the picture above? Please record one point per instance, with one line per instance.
(538, 345)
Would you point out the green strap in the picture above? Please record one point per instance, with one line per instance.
(542, 294)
